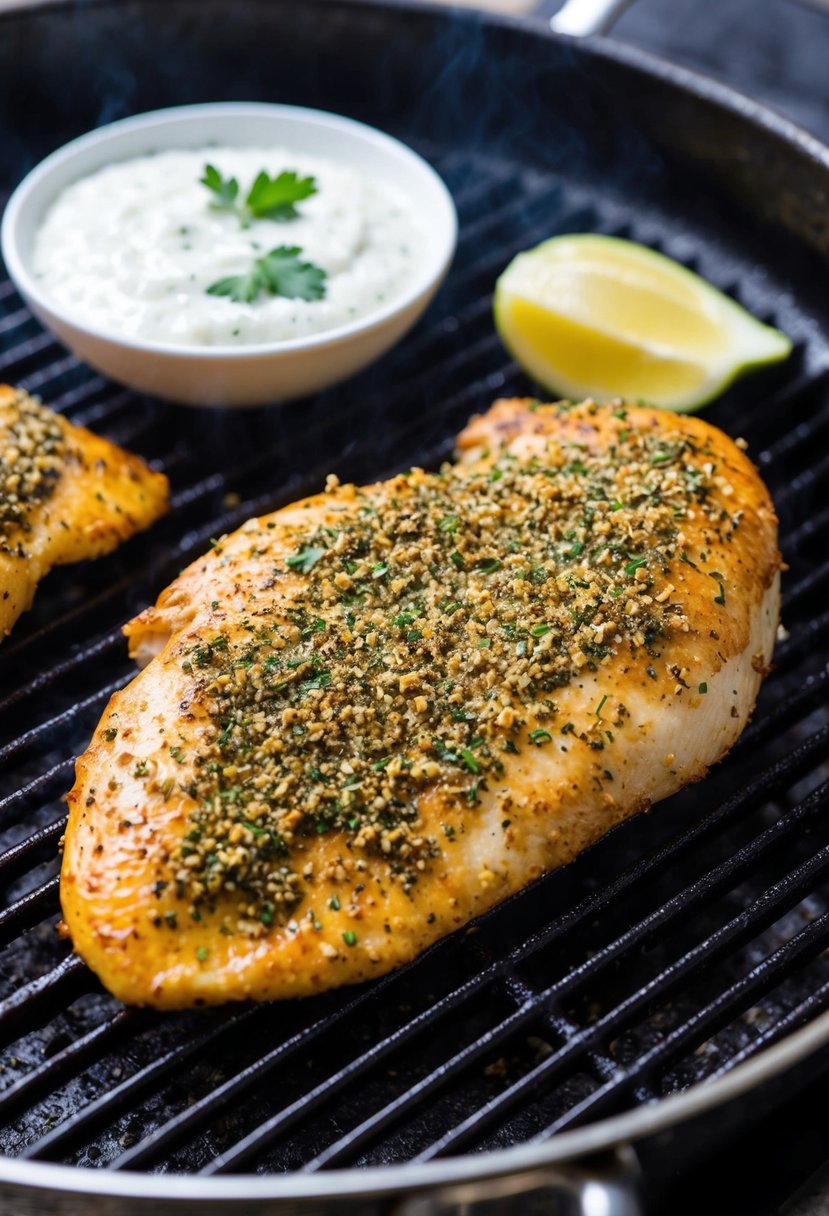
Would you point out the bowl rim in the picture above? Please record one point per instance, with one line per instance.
(443, 238)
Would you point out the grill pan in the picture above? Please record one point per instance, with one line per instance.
(670, 983)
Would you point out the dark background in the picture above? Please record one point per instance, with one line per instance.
(776, 50)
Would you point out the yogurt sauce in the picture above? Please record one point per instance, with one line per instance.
(133, 247)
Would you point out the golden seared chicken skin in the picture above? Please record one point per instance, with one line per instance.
(65, 495)
(370, 716)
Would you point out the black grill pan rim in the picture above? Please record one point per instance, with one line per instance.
(23, 1177)
(214, 1193)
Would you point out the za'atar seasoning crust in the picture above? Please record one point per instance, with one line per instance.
(66, 494)
(31, 451)
(427, 631)
(371, 715)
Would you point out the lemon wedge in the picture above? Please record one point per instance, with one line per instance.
(597, 316)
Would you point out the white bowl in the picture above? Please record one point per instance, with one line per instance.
(234, 375)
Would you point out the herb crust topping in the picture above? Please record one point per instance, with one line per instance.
(31, 452)
(416, 642)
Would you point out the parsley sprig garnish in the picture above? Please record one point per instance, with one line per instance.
(269, 198)
(278, 273)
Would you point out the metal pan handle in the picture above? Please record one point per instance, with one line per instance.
(601, 1186)
(580, 18)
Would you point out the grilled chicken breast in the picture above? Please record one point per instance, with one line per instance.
(372, 715)
(65, 495)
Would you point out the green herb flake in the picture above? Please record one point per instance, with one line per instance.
(634, 565)
(469, 760)
(350, 937)
(305, 559)
(472, 795)
(322, 679)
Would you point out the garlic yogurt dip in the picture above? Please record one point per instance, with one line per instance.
(132, 248)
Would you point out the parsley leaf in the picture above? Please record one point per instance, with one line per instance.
(287, 276)
(242, 288)
(226, 189)
(274, 198)
(278, 273)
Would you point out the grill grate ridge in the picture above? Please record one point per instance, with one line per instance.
(810, 941)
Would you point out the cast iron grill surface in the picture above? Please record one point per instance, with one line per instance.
(682, 944)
